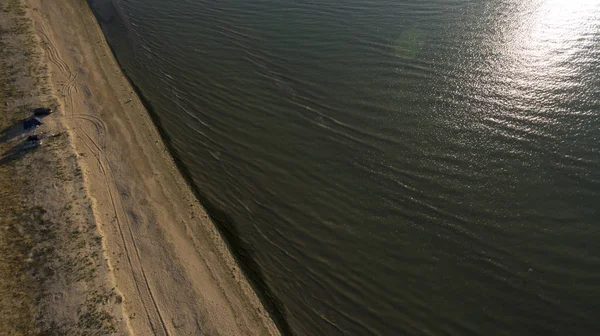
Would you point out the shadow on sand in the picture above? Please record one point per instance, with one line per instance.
(19, 128)
(12, 131)
(16, 152)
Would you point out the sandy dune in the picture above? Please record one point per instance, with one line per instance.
(168, 261)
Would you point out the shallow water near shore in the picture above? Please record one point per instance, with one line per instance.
(390, 167)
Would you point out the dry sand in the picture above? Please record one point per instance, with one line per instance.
(165, 258)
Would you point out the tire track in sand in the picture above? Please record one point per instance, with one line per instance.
(68, 87)
(97, 147)
(107, 173)
(99, 127)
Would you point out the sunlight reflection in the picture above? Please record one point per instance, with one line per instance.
(556, 24)
(543, 44)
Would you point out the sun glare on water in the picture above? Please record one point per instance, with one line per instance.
(563, 20)
(541, 39)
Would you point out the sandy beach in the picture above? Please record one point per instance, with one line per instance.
(158, 261)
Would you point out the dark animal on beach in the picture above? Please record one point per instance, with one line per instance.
(42, 111)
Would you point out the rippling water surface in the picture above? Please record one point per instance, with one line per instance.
(393, 167)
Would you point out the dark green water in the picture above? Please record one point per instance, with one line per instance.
(390, 167)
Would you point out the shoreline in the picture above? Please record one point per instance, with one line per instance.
(219, 218)
(222, 222)
(173, 269)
